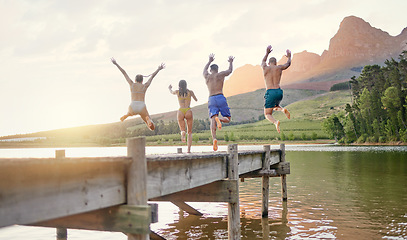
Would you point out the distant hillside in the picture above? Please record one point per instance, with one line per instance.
(355, 45)
(243, 107)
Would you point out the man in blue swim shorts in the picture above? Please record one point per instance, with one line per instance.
(217, 102)
(272, 77)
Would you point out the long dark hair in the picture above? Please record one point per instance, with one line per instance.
(183, 91)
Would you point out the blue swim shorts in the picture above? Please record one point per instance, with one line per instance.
(273, 97)
(217, 103)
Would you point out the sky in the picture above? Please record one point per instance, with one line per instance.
(55, 55)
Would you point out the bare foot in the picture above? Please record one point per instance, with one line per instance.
(278, 126)
(150, 124)
(183, 136)
(287, 113)
(218, 123)
(215, 145)
(123, 118)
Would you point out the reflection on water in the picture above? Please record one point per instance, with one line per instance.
(333, 193)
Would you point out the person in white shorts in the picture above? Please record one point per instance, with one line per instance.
(138, 92)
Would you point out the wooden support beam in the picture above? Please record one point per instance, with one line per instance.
(187, 208)
(137, 179)
(219, 191)
(155, 236)
(260, 173)
(265, 227)
(277, 170)
(123, 218)
(280, 169)
(62, 233)
(283, 177)
(233, 207)
(265, 183)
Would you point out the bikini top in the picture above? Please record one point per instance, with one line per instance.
(134, 90)
(188, 97)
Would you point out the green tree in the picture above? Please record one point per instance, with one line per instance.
(333, 127)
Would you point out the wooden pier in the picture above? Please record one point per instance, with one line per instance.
(112, 193)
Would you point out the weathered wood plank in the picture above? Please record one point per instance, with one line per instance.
(33, 190)
(265, 183)
(219, 191)
(283, 176)
(172, 173)
(185, 207)
(281, 168)
(124, 218)
(233, 207)
(166, 177)
(137, 182)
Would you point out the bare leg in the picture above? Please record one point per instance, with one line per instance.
(129, 113)
(147, 119)
(124, 117)
(190, 120)
(181, 124)
(213, 132)
(284, 110)
(268, 114)
(221, 119)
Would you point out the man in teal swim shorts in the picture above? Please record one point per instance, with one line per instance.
(217, 102)
(272, 77)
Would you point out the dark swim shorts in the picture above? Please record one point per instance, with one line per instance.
(273, 97)
(216, 104)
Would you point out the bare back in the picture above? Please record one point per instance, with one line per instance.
(138, 91)
(272, 76)
(215, 81)
(185, 102)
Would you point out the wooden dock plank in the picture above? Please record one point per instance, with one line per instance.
(36, 190)
(33, 190)
(166, 177)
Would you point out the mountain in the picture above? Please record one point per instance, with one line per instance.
(355, 45)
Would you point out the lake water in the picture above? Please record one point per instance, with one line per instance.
(333, 193)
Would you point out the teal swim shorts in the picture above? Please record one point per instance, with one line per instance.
(273, 97)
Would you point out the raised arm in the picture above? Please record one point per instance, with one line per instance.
(171, 91)
(230, 69)
(122, 70)
(288, 63)
(268, 51)
(147, 84)
(205, 71)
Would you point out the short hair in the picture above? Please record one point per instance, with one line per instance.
(214, 67)
(139, 78)
(273, 59)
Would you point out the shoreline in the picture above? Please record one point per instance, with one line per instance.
(13, 145)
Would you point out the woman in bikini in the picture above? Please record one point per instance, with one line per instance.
(184, 112)
(138, 93)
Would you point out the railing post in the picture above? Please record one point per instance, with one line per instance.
(283, 176)
(233, 207)
(265, 183)
(137, 178)
(62, 233)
